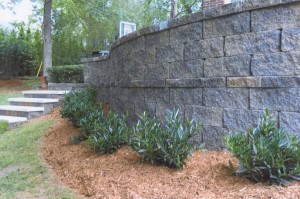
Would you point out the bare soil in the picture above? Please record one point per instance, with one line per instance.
(123, 175)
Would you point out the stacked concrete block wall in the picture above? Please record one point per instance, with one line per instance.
(223, 66)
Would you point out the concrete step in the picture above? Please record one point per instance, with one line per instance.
(45, 94)
(47, 103)
(21, 111)
(12, 120)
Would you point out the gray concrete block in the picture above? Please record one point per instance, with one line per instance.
(169, 53)
(290, 121)
(136, 72)
(157, 95)
(183, 34)
(186, 69)
(157, 71)
(290, 39)
(213, 137)
(158, 39)
(204, 48)
(276, 64)
(241, 119)
(137, 44)
(281, 99)
(253, 43)
(226, 97)
(208, 116)
(227, 66)
(136, 95)
(186, 96)
(286, 16)
(228, 25)
(280, 82)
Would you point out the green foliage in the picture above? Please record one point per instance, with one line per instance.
(66, 74)
(79, 103)
(266, 153)
(18, 51)
(109, 134)
(3, 126)
(164, 143)
(105, 133)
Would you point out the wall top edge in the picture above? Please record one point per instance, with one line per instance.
(94, 59)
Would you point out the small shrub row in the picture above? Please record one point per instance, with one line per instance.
(66, 74)
(165, 143)
(266, 153)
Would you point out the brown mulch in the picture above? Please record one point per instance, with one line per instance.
(11, 83)
(12, 86)
(122, 175)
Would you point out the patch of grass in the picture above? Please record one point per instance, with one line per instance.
(19, 148)
(5, 96)
(3, 126)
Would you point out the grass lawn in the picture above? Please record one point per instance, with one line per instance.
(22, 172)
(5, 96)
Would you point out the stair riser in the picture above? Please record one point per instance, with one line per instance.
(60, 97)
(29, 115)
(47, 107)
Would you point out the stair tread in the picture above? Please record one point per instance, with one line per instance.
(21, 108)
(45, 92)
(12, 119)
(34, 100)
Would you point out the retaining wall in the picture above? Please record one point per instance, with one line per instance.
(223, 66)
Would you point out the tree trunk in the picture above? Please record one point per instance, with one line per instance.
(173, 12)
(47, 37)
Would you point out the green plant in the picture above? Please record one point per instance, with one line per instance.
(78, 104)
(109, 133)
(164, 143)
(66, 74)
(266, 153)
(3, 126)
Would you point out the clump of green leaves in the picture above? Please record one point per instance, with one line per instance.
(66, 74)
(165, 143)
(77, 104)
(105, 133)
(110, 133)
(266, 153)
(3, 126)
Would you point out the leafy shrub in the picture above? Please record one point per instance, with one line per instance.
(3, 126)
(78, 104)
(66, 74)
(266, 153)
(164, 143)
(109, 134)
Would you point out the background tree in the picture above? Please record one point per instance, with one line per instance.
(47, 55)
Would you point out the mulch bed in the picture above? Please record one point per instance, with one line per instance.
(123, 175)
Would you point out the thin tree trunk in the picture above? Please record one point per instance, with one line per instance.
(173, 12)
(47, 36)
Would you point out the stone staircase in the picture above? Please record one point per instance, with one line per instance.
(34, 104)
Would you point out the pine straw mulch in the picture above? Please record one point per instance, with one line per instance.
(122, 175)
